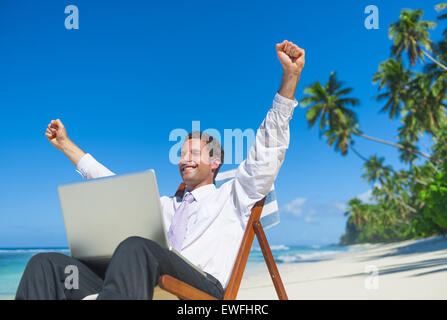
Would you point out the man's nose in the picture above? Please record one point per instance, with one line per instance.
(186, 157)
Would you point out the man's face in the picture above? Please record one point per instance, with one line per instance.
(195, 164)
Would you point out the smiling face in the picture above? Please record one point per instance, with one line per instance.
(196, 166)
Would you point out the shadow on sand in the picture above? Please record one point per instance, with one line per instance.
(430, 245)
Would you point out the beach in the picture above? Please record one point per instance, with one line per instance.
(414, 269)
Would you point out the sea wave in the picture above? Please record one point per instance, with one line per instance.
(273, 247)
(303, 257)
(33, 250)
(279, 247)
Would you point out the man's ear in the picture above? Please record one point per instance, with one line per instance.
(215, 164)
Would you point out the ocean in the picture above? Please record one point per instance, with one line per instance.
(14, 260)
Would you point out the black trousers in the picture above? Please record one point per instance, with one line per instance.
(132, 273)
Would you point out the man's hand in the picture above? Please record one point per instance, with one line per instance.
(292, 59)
(57, 135)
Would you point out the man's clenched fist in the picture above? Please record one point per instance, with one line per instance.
(292, 60)
(291, 57)
(56, 134)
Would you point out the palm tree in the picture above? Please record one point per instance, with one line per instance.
(356, 211)
(393, 76)
(406, 156)
(419, 98)
(396, 145)
(340, 134)
(330, 107)
(440, 7)
(426, 102)
(440, 146)
(440, 51)
(410, 34)
(377, 171)
(336, 121)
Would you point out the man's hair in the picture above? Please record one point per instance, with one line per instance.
(213, 145)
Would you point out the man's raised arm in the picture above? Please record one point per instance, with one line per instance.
(292, 60)
(255, 175)
(85, 164)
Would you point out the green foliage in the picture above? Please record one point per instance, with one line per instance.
(434, 211)
(409, 203)
(410, 35)
(390, 216)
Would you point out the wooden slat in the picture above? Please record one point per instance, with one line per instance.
(180, 190)
(182, 290)
(270, 261)
(161, 294)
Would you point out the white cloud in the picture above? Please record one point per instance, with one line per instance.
(312, 212)
(309, 219)
(340, 206)
(366, 197)
(295, 206)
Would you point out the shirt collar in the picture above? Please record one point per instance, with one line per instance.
(203, 191)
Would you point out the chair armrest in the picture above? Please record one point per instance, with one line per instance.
(182, 290)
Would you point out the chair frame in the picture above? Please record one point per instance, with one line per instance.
(186, 292)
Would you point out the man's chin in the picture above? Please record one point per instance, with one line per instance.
(188, 179)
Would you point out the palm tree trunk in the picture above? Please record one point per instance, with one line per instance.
(434, 60)
(358, 153)
(398, 200)
(396, 145)
(434, 167)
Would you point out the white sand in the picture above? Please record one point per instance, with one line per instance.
(415, 269)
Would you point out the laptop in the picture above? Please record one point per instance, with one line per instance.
(99, 214)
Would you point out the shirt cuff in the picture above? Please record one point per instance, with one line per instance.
(283, 104)
(84, 163)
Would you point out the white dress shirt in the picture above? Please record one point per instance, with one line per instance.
(218, 217)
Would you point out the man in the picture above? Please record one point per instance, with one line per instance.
(206, 225)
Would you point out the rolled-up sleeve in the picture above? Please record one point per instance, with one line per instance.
(89, 168)
(255, 175)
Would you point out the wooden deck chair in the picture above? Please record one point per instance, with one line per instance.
(264, 214)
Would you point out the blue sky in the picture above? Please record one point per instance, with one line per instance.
(136, 70)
